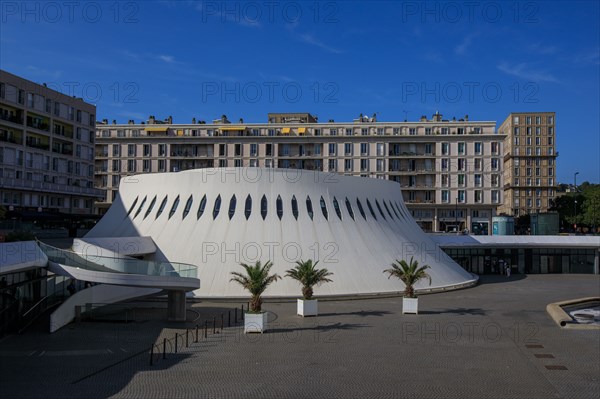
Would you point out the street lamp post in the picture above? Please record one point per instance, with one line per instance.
(575, 188)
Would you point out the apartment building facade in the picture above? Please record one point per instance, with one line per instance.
(450, 171)
(46, 150)
(529, 162)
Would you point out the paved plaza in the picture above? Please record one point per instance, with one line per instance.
(494, 340)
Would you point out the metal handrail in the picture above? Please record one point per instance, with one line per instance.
(118, 264)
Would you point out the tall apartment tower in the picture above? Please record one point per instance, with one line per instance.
(450, 170)
(46, 150)
(529, 162)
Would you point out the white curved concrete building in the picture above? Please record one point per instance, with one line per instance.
(216, 218)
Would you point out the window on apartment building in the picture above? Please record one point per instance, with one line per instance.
(237, 163)
(332, 149)
(131, 165)
(477, 180)
(380, 165)
(364, 132)
(516, 181)
(495, 147)
(550, 171)
(364, 165)
(380, 131)
(462, 164)
(428, 149)
(2, 90)
(529, 131)
(495, 164)
(348, 165)
(515, 119)
(461, 180)
(528, 120)
(269, 150)
(116, 165)
(445, 180)
(516, 131)
(538, 120)
(550, 151)
(478, 195)
(146, 165)
(445, 148)
(348, 148)
(495, 196)
(333, 132)
(238, 150)
(162, 165)
(332, 165)
(461, 148)
(222, 150)
(253, 150)
(285, 150)
(477, 147)
(317, 149)
(428, 131)
(380, 149)
(445, 164)
(222, 163)
(478, 163)
(131, 150)
(445, 196)
(461, 196)
(147, 150)
(495, 180)
(412, 131)
(116, 150)
(550, 120)
(348, 132)
(364, 149)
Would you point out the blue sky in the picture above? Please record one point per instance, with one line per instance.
(333, 59)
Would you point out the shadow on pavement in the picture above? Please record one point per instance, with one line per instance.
(458, 311)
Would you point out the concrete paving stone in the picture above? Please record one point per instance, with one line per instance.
(464, 344)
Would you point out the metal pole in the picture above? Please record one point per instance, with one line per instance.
(236, 316)
(196, 332)
(575, 188)
(164, 348)
(187, 338)
(229, 318)
(222, 317)
(176, 342)
(214, 324)
(205, 328)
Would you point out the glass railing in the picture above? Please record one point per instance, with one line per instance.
(111, 264)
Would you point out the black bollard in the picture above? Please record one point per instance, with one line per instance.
(187, 338)
(222, 316)
(206, 329)
(229, 318)
(236, 316)
(214, 324)
(196, 332)
(164, 348)
(176, 342)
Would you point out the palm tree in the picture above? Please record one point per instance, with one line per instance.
(410, 273)
(256, 280)
(307, 274)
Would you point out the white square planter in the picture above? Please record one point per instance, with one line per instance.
(255, 322)
(308, 307)
(410, 305)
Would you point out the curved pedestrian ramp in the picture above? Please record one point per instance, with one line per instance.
(118, 278)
